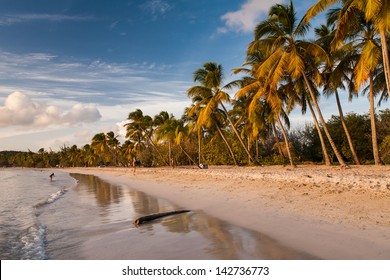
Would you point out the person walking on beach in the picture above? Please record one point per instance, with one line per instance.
(51, 176)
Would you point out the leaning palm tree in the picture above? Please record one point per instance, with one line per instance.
(289, 55)
(270, 102)
(260, 115)
(210, 78)
(376, 11)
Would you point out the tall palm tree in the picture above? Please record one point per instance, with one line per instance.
(366, 67)
(165, 129)
(263, 107)
(376, 11)
(289, 55)
(269, 103)
(335, 74)
(210, 78)
(113, 146)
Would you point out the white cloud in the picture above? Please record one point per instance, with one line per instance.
(156, 8)
(11, 19)
(247, 17)
(20, 110)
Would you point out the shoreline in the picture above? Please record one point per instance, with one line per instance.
(329, 212)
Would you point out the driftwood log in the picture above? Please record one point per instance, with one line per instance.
(152, 217)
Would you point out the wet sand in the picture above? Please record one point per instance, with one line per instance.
(326, 212)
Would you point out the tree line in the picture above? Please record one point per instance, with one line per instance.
(155, 141)
(283, 70)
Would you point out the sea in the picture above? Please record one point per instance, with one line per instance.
(78, 216)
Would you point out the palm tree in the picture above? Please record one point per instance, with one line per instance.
(302, 97)
(137, 128)
(376, 11)
(263, 107)
(191, 116)
(166, 126)
(210, 78)
(113, 145)
(334, 75)
(366, 67)
(140, 129)
(266, 102)
(127, 151)
(288, 55)
(182, 133)
(208, 115)
(100, 146)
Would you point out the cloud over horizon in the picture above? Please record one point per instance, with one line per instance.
(20, 110)
(247, 17)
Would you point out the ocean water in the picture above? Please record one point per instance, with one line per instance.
(24, 196)
(82, 217)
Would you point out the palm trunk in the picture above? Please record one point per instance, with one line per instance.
(373, 125)
(386, 63)
(155, 147)
(354, 155)
(238, 135)
(336, 151)
(227, 145)
(188, 156)
(286, 141)
(277, 139)
(199, 149)
(249, 148)
(322, 140)
(170, 153)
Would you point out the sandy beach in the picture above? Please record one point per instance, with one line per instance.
(328, 212)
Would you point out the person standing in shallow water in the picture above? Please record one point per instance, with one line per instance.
(51, 176)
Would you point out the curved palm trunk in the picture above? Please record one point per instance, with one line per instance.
(227, 145)
(386, 63)
(238, 135)
(354, 155)
(336, 151)
(286, 141)
(188, 156)
(375, 149)
(322, 140)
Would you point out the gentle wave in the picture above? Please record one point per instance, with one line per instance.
(33, 243)
(53, 197)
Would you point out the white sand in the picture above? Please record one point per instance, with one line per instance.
(329, 212)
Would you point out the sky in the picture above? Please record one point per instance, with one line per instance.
(70, 69)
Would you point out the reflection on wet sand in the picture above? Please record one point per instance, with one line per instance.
(192, 235)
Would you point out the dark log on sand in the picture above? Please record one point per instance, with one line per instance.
(152, 217)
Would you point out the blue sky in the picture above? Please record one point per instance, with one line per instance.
(70, 69)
